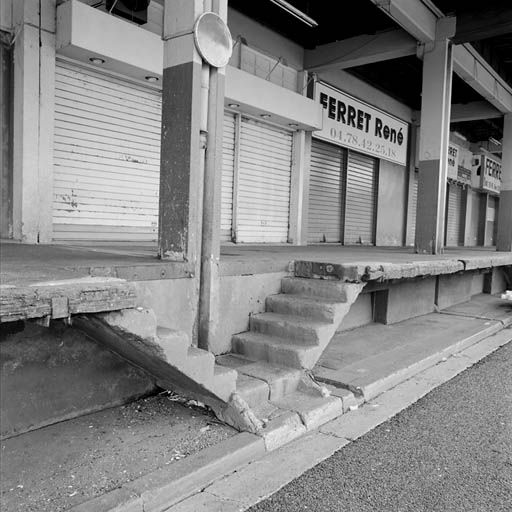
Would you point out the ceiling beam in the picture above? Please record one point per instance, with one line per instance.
(413, 16)
(473, 26)
(420, 22)
(473, 111)
(360, 50)
(477, 72)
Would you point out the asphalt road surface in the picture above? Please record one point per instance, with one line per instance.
(451, 451)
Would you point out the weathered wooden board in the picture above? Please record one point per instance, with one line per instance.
(65, 298)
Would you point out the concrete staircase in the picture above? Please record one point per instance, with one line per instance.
(274, 358)
(265, 385)
(298, 323)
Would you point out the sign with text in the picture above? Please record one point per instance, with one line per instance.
(459, 164)
(464, 168)
(491, 175)
(453, 161)
(487, 175)
(354, 124)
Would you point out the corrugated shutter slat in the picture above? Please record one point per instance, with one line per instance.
(228, 167)
(264, 183)
(453, 215)
(325, 192)
(361, 199)
(107, 157)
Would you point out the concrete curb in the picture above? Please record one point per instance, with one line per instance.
(160, 489)
(258, 480)
(374, 389)
(217, 471)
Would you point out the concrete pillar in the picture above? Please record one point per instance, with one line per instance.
(301, 161)
(434, 139)
(181, 169)
(504, 236)
(6, 95)
(299, 186)
(191, 157)
(33, 119)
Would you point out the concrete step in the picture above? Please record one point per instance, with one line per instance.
(262, 347)
(224, 381)
(174, 343)
(253, 391)
(299, 330)
(280, 380)
(305, 306)
(198, 365)
(313, 410)
(327, 289)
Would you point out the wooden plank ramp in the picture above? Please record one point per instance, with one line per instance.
(60, 299)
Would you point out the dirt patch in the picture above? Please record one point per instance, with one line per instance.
(60, 466)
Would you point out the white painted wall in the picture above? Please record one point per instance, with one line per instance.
(263, 38)
(365, 92)
(6, 15)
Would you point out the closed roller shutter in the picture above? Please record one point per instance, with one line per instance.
(454, 215)
(492, 215)
(474, 221)
(326, 192)
(106, 158)
(361, 199)
(263, 183)
(413, 205)
(228, 167)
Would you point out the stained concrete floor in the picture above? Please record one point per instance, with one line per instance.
(63, 465)
(449, 452)
(368, 358)
(23, 264)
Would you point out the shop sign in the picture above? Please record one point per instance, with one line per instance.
(487, 174)
(464, 166)
(459, 164)
(453, 161)
(354, 124)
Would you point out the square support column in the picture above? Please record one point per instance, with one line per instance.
(434, 139)
(191, 158)
(33, 120)
(504, 236)
(181, 168)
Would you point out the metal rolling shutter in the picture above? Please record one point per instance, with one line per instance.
(263, 183)
(107, 157)
(492, 215)
(413, 205)
(474, 221)
(325, 192)
(361, 199)
(228, 167)
(453, 215)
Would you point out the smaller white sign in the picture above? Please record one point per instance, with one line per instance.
(487, 174)
(453, 161)
(464, 169)
(354, 124)
(491, 175)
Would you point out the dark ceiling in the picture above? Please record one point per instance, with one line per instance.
(337, 19)
(400, 78)
(496, 50)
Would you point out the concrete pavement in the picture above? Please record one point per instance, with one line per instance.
(451, 451)
(261, 478)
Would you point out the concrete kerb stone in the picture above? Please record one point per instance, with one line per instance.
(250, 477)
(371, 390)
(256, 481)
(160, 489)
